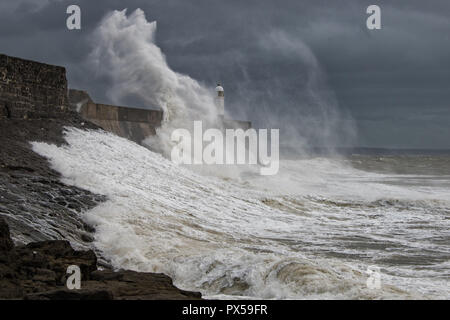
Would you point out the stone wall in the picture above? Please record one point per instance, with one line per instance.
(131, 123)
(30, 89)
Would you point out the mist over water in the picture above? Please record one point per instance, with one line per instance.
(310, 231)
(124, 51)
(307, 109)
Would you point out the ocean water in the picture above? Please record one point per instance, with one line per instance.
(309, 232)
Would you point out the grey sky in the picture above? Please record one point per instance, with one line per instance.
(394, 82)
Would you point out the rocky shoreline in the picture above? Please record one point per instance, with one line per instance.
(45, 219)
(34, 202)
(37, 271)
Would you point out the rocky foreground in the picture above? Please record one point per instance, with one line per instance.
(37, 271)
(43, 213)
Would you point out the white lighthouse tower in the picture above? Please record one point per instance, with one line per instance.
(220, 100)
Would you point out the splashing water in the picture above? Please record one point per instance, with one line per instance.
(309, 232)
(224, 237)
(125, 53)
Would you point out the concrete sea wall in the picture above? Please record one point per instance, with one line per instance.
(131, 123)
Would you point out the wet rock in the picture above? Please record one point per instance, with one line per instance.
(127, 284)
(31, 193)
(6, 243)
(4, 111)
(86, 237)
(37, 271)
(56, 256)
(45, 275)
(65, 294)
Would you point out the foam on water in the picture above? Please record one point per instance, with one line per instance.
(308, 232)
(247, 237)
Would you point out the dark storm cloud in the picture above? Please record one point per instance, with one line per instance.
(395, 81)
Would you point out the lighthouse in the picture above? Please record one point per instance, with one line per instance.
(220, 100)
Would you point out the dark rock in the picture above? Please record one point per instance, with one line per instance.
(6, 243)
(4, 110)
(65, 294)
(58, 255)
(37, 271)
(45, 275)
(28, 186)
(127, 284)
(86, 237)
